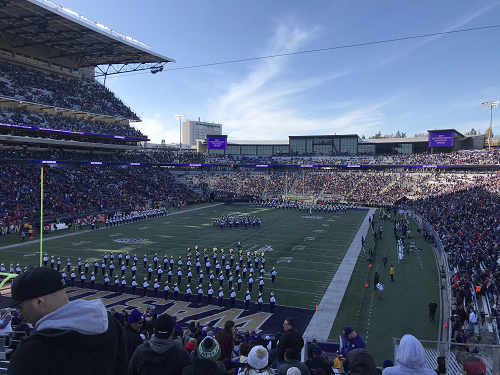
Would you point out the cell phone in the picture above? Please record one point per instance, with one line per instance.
(441, 365)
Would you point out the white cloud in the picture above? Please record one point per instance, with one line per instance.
(158, 128)
(264, 104)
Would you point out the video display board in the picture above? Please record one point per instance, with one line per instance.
(216, 143)
(441, 139)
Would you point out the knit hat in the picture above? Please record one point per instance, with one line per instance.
(388, 363)
(293, 371)
(473, 365)
(190, 346)
(258, 357)
(209, 349)
(134, 317)
(317, 350)
(361, 362)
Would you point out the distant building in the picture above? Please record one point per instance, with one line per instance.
(436, 141)
(198, 130)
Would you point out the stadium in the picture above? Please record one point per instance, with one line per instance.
(305, 230)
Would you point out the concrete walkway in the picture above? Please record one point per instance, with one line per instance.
(322, 321)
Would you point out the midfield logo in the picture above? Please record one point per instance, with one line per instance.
(130, 240)
(208, 314)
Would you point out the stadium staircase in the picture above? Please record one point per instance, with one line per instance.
(394, 179)
(152, 158)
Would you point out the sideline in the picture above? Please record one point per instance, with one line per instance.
(101, 228)
(329, 306)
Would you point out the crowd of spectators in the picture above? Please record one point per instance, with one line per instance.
(463, 210)
(404, 184)
(120, 186)
(171, 157)
(52, 153)
(279, 182)
(311, 182)
(369, 186)
(85, 95)
(21, 116)
(84, 189)
(236, 184)
(467, 157)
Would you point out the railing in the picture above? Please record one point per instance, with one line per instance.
(490, 354)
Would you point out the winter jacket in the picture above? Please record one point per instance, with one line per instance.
(81, 337)
(159, 356)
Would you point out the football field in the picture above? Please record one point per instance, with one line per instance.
(306, 250)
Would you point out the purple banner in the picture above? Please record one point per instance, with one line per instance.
(216, 143)
(441, 139)
(277, 166)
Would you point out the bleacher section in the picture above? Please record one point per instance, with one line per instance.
(86, 95)
(40, 121)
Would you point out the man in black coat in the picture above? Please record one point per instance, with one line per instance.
(131, 332)
(161, 355)
(291, 339)
(78, 335)
(432, 310)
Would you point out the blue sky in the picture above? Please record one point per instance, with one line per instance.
(414, 85)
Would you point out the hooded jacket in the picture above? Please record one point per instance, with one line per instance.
(159, 356)
(81, 337)
(410, 358)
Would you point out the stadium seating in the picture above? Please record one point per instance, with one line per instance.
(84, 189)
(19, 116)
(85, 95)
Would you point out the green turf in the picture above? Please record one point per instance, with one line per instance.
(305, 251)
(403, 308)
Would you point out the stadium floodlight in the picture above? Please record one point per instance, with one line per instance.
(180, 117)
(490, 105)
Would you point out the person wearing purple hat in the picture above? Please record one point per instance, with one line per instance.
(352, 340)
(81, 334)
(131, 331)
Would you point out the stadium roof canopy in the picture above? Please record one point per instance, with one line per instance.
(63, 34)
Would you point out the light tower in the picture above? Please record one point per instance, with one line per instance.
(490, 105)
(180, 117)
